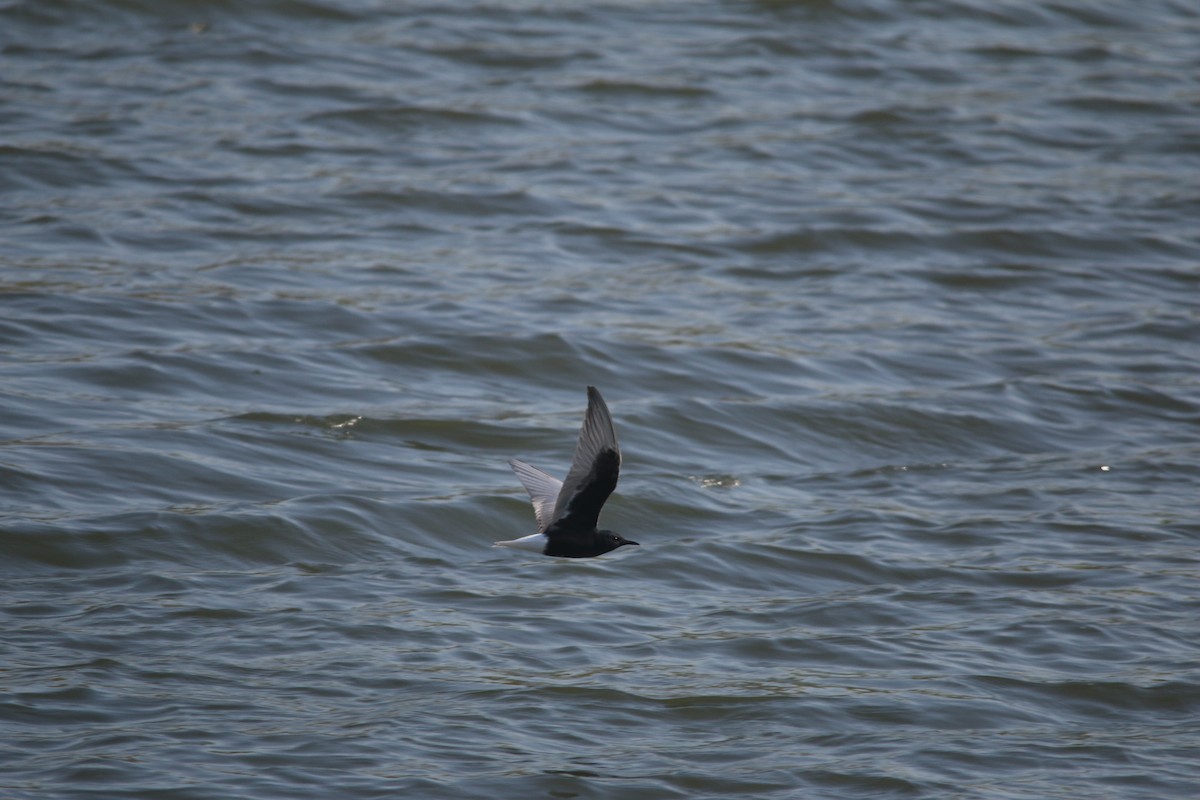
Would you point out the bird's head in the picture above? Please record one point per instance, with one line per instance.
(611, 540)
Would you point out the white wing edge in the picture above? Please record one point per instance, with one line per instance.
(543, 492)
(534, 541)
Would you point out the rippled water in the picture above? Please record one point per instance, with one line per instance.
(895, 305)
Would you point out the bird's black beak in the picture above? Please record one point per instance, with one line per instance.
(629, 542)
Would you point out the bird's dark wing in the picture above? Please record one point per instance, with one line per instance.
(594, 471)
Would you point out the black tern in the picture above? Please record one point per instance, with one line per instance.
(567, 510)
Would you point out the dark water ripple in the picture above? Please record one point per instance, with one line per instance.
(895, 306)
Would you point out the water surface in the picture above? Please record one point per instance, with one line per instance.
(896, 307)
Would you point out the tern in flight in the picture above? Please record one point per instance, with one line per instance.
(567, 511)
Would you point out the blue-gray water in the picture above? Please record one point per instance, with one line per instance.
(896, 306)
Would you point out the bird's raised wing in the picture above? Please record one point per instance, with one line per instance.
(594, 470)
(543, 491)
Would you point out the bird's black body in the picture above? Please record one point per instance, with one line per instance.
(582, 545)
(568, 511)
